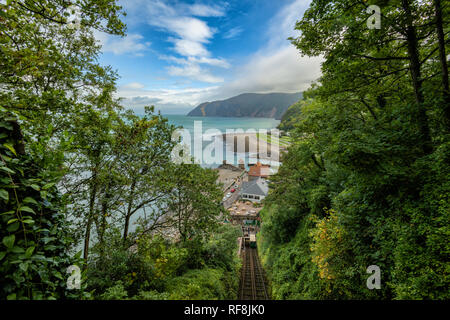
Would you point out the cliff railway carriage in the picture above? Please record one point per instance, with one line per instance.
(252, 241)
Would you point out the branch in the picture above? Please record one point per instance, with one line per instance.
(381, 59)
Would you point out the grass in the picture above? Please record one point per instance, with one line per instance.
(283, 141)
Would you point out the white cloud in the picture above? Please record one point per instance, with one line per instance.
(166, 100)
(188, 28)
(190, 67)
(233, 33)
(188, 34)
(134, 85)
(217, 62)
(277, 67)
(189, 48)
(130, 44)
(190, 37)
(282, 25)
(283, 70)
(201, 10)
(194, 71)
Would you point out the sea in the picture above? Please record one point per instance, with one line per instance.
(223, 123)
(220, 125)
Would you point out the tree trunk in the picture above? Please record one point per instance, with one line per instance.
(415, 70)
(87, 234)
(128, 214)
(443, 59)
(103, 222)
(125, 228)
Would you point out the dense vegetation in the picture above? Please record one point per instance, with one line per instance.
(76, 170)
(289, 118)
(366, 180)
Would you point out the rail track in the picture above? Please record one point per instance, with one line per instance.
(253, 283)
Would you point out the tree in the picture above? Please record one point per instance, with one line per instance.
(371, 62)
(142, 150)
(364, 180)
(194, 203)
(48, 73)
(89, 168)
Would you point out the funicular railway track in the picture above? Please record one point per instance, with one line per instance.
(253, 284)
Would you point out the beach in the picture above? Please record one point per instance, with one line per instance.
(256, 146)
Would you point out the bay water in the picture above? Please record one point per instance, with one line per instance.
(222, 124)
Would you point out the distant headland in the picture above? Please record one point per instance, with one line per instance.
(255, 105)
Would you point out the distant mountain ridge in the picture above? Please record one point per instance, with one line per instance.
(256, 105)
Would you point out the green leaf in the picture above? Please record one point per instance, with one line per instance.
(27, 209)
(8, 241)
(6, 169)
(78, 255)
(12, 220)
(35, 187)
(11, 148)
(48, 239)
(17, 249)
(29, 252)
(2, 255)
(30, 200)
(48, 185)
(13, 227)
(4, 195)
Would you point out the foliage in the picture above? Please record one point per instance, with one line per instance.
(157, 269)
(194, 201)
(33, 231)
(76, 168)
(200, 284)
(116, 292)
(289, 118)
(370, 144)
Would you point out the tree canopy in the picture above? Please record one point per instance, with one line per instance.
(366, 180)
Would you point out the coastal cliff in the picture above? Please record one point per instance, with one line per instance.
(257, 105)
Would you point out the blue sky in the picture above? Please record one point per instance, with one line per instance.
(178, 54)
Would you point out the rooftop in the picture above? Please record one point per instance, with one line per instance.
(259, 170)
(257, 187)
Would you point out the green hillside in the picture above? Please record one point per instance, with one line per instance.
(258, 105)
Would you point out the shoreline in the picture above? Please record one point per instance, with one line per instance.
(249, 143)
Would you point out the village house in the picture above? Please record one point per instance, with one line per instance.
(254, 190)
(259, 170)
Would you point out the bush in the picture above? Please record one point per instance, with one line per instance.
(157, 269)
(199, 284)
(33, 231)
(116, 292)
